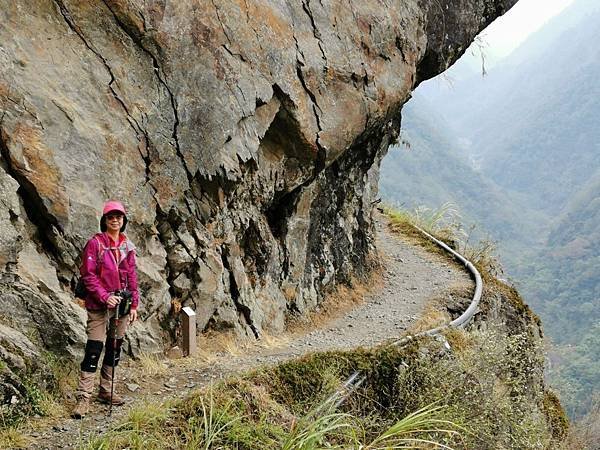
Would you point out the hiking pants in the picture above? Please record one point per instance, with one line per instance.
(100, 329)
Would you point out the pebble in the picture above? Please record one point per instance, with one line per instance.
(172, 383)
(132, 387)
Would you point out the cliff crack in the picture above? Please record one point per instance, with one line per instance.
(73, 26)
(161, 78)
(221, 22)
(258, 40)
(235, 293)
(235, 55)
(139, 131)
(398, 43)
(63, 110)
(24, 107)
(316, 32)
(315, 105)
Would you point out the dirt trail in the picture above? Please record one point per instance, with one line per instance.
(411, 278)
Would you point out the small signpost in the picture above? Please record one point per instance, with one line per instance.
(189, 331)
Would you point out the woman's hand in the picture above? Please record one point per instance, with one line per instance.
(113, 301)
(133, 315)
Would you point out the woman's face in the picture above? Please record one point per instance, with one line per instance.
(114, 221)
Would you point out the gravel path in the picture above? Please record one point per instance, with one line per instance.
(411, 278)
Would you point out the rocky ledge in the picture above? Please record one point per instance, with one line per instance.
(244, 137)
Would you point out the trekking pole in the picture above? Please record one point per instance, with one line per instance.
(112, 377)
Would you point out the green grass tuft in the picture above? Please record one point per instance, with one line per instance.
(12, 437)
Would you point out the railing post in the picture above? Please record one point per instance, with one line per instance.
(189, 331)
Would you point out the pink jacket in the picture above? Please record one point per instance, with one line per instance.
(102, 274)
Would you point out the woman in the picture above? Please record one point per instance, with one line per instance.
(107, 270)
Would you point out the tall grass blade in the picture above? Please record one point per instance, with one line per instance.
(311, 431)
(213, 425)
(424, 421)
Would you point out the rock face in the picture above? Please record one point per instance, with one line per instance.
(243, 136)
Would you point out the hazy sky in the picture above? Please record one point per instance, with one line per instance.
(500, 38)
(510, 30)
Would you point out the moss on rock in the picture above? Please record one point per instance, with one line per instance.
(555, 416)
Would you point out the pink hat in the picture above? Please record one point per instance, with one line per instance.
(111, 206)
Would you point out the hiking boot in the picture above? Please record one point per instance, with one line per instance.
(81, 408)
(83, 394)
(104, 397)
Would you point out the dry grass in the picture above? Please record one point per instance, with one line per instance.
(51, 407)
(461, 289)
(202, 359)
(459, 339)
(176, 307)
(66, 375)
(13, 438)
(270, 342)
(405, 225)
(432, 316)
(55, 412)
(222, 343)
(212, 345)
(231, 345)
(203, 356)
(152, 365)
(482, 253)
(435, 314)
(408, 231)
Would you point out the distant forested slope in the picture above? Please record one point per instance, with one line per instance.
(564, 280)
(538, 109)
(564, 275)
(431, 169)
(519, 153)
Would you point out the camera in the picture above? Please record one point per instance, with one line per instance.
(125, 304)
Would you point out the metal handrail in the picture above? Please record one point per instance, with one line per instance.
(351, 383)
(468, 314)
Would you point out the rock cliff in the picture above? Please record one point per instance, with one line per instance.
(244, 137)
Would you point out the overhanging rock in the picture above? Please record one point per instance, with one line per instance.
(244, 137)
